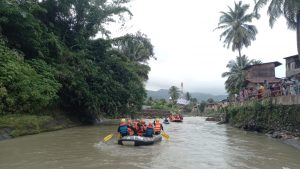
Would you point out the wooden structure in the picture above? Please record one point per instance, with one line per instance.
(292, 64)
(259, 73)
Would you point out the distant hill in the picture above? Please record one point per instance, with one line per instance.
(164, 94)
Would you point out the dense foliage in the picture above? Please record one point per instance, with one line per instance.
(24, 87)
(50, 57)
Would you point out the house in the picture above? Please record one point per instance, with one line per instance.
(259, 73)
(215, 106)
(212, 107)
(292, 64)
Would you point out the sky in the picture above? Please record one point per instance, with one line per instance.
(188, 49)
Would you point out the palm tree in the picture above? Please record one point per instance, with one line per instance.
(237, 32)
(137, 47)
(236, 76)
(290, 9)
(174, 93)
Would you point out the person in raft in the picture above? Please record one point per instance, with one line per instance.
(157, 126)
(149, 130)
(123, 128)
(166, 119)
(141, 127)
(131, 129)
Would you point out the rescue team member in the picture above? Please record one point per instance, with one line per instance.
(130, 127)
(149, 130)
(166, 119)
(136, 127)
(157, 126)
(142, 127)
(123, 129)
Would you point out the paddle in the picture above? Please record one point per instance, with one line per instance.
(107, 138)
(165, 135)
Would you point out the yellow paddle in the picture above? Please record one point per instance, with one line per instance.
(107, 138)
(165, 135)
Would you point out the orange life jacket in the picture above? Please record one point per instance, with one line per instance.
(157, 127)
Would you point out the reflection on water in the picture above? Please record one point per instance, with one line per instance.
(194, 143)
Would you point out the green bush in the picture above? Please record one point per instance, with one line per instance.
(22, 88)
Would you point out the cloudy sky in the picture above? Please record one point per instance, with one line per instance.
(189, 51)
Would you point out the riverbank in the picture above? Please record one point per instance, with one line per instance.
(276, 121)
(12, 126)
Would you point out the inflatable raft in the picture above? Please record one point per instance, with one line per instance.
(166, 122)
(139, 140)
(176, 118)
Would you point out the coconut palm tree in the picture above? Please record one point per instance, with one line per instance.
(290, 9)
(237, 32)
(236, 76)
(174, 93)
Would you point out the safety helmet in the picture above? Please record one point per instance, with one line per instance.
(142, 121)
(123, 120)
(157, 119)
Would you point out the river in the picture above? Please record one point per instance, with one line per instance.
(193, 144)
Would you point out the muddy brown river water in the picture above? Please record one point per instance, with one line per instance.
(194, 144)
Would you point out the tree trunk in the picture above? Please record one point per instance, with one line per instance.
(240, 52)
(298, 33)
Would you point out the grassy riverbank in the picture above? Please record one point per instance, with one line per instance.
(18, 125)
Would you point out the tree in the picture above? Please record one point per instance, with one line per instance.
(202, 105)
(236, 76)
(137, 47)
(76, 21)
(290, 9)
(149, 101)
(174, 93)
(238, 33)
(50, 57)
(194, 101)
(25, 87)
(188, 96)
(210, 100)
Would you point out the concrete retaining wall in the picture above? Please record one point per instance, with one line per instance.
(286, 100)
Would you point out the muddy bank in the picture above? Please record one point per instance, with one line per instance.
(19, 125)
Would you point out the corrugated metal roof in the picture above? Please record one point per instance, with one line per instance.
(290, 57)
(276, 64)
